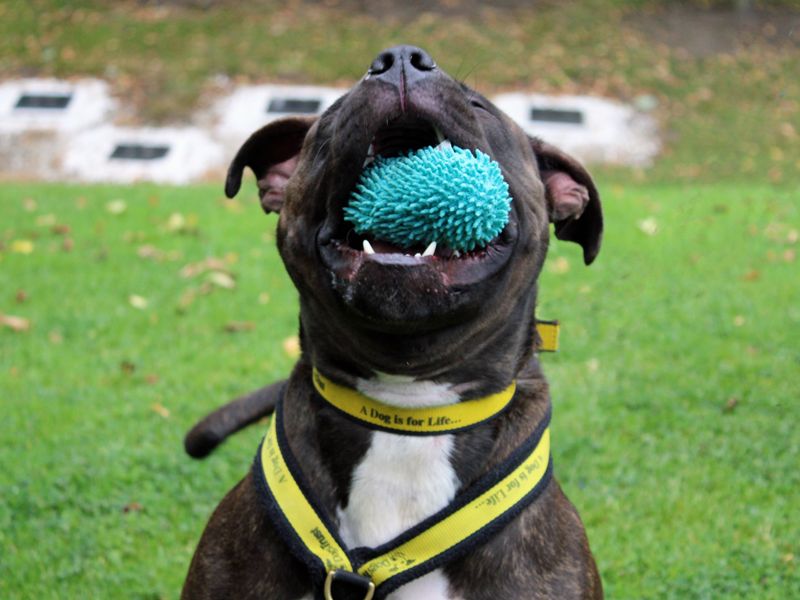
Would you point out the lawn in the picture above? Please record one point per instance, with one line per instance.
(140, 308)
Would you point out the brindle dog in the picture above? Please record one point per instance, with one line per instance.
(412, 330)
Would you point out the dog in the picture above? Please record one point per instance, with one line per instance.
(408, 333)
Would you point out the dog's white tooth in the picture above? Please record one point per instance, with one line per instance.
(368, 161)
(368, 247)
(456, 253)
(445, 145)
(429, 251)
(439, 135)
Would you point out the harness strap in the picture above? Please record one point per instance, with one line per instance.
(472, 517)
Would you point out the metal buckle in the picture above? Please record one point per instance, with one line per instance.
(351, 578)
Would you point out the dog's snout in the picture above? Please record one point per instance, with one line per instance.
(402, 65)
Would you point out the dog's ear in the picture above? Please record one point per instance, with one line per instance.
(271, 153)
(572, 199)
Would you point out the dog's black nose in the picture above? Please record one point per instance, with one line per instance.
(401, 65)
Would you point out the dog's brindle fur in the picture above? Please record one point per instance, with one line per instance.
(465, 324)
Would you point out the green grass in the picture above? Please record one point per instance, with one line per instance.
(675, 391)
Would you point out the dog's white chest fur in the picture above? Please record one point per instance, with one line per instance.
(401, 480)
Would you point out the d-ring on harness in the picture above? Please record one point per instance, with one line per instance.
(340, 573)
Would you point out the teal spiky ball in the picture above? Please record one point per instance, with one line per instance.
(455, 197)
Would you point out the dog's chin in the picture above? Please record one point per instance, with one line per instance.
(400, 290)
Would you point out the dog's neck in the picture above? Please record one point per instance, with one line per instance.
(481, 356)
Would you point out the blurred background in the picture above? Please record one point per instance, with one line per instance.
(128, 310)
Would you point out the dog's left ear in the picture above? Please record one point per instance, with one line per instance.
(271, 153)
(572, 199)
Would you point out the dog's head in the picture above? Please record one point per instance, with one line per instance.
(393, 311)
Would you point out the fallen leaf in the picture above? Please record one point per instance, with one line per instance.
(60, 229)
(789, 255)
(291, 346)
(649, 226)
(149, 252)
(731, 405)
(18, 324)
(151, 378)
(29, 204)
(788, 131)
(127, 367)
(21, 296)
(792, 236)
(22, 246)
(559, 266)
(47, 220)
(67, 245)
(186, 299)
(739, 320)
(138, 302)
(132, 507)
(593, 365)
(116, 207)
(55, 337)
(209, 264)
(263, 298)
(237, 326)
(221, 279)
(160, 409)
(752, 275)
(176, 222)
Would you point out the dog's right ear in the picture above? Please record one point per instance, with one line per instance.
(271, 153)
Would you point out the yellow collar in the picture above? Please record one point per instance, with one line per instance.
(431, 420)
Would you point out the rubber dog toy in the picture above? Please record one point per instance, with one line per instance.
(455, 197)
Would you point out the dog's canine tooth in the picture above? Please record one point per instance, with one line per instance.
(368, 247)
(368, 161)
(430, 250)
(445, 145)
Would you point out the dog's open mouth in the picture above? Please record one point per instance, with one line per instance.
(345, 251)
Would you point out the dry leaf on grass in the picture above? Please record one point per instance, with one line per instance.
(648, 226)
(47, 220)
(138, 302)
(160, 410)
(22, 246)
(198, 268)
(116, 207)
(559, 266)
(14, 323)
(132, 507)
(237, 326)
(221, 279)
(291, 346)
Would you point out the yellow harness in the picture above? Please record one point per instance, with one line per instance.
(476, 512)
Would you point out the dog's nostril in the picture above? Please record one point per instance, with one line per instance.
(422, 61)
(381, 64)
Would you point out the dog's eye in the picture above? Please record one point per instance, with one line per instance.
(477, 104)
